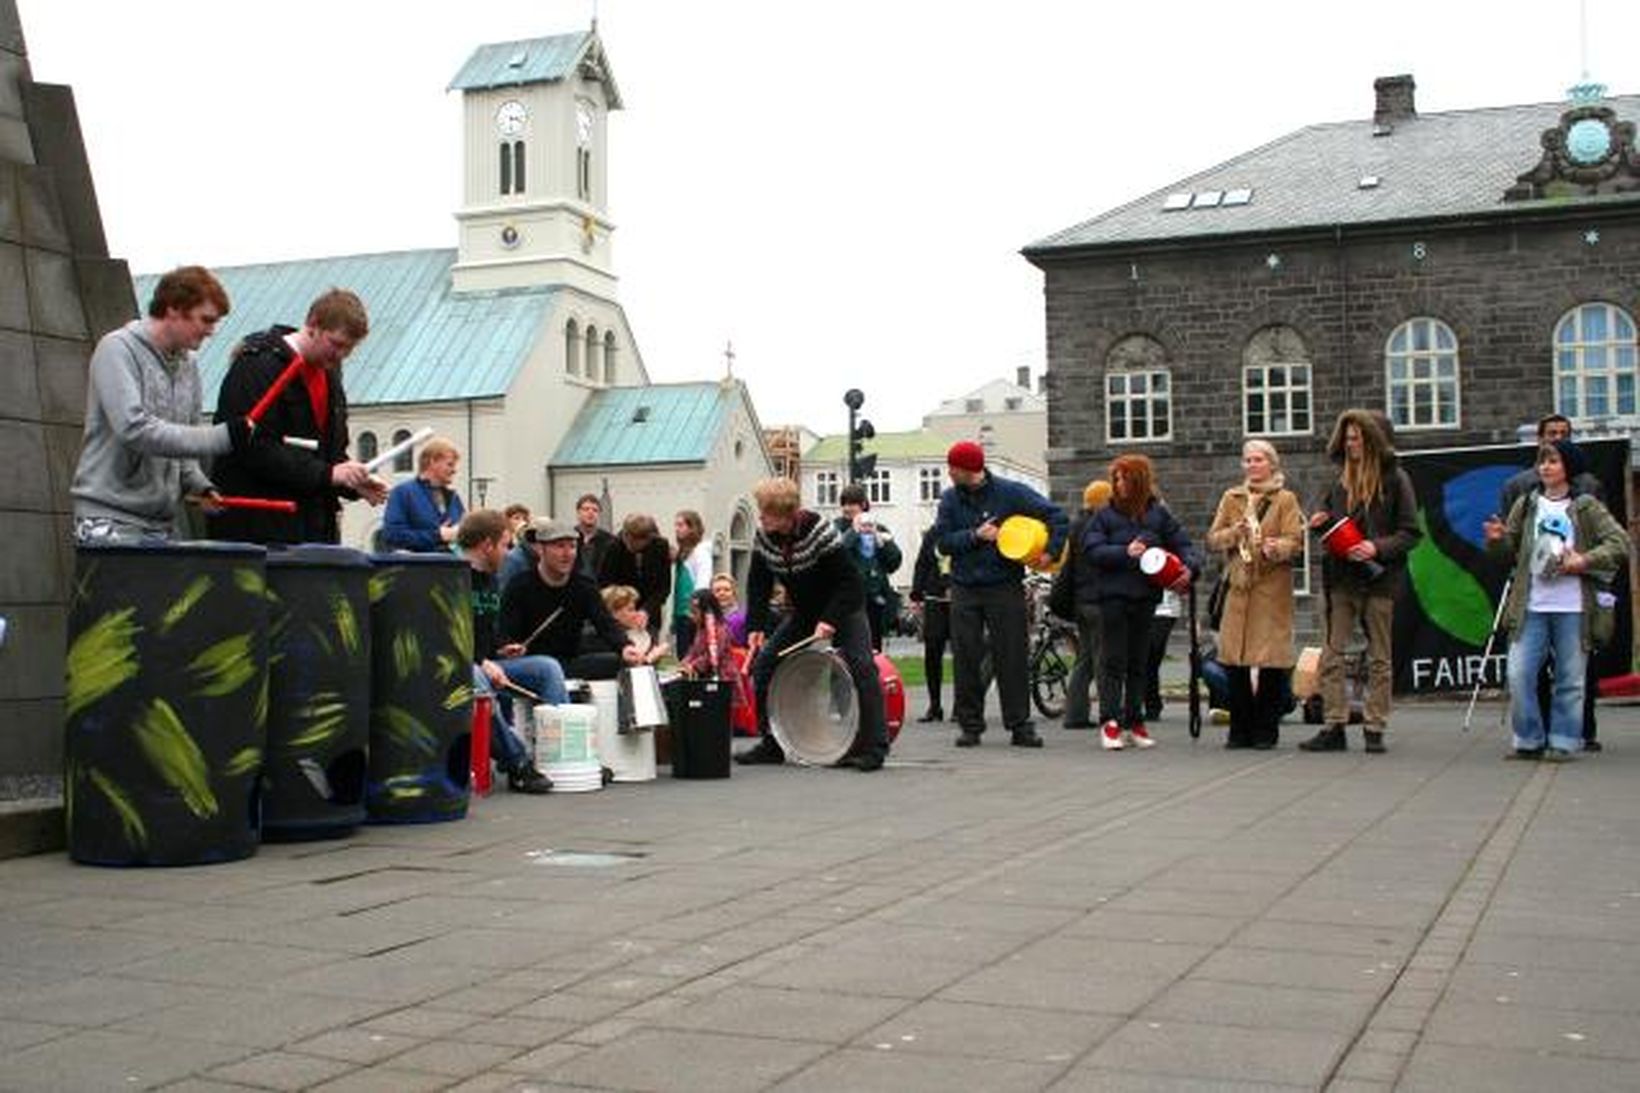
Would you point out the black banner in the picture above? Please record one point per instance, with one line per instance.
(1445, 611)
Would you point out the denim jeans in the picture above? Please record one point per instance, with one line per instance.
(1540, 633)
(540, 674)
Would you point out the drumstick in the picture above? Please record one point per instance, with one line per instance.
(274, 390)
(267, 504)
(397, 450)
(537, 631)
(305, 442)
(525, 691)
(796, 645)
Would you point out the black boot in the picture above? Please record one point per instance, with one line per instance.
(524, 778)
(1330, 738)
(1374, 741)
(765, 750)
(934, 714)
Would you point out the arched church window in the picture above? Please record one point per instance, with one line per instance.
(592, 370)
(518, 166)
(404, 462)
(572, 348)
(1275, 384)
(609, 356)
(1595, 362)
(506, 168)
(1421, 362)
(1138, 391)
(367, 446)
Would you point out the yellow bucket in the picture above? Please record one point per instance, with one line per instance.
(1022, 538)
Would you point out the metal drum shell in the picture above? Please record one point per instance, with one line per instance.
(813, 710)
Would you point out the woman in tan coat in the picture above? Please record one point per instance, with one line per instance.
(1260, 530)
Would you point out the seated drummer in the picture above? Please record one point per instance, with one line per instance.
(544, 608)
(826, 599)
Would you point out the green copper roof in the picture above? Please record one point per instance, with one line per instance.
(920, 444)
(537, 60)
(426, 343)
(662, 423)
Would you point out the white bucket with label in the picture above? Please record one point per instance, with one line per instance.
(630, 755)
(566, 747)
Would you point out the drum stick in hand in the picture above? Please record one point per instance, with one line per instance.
(397, 450)
(539, 629)
(274, 390)
(796, 645)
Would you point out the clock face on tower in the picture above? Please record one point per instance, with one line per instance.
(510, 117)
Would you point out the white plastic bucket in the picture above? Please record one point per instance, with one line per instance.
(566, 747)
(630, 755)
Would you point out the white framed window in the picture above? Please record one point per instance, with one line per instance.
(1595, 354)
(878, 490)
(1138, 405)
(1275, 399)
(827, 484)
(1421, 375)
(930, 483)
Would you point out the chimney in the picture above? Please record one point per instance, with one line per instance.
(1394, 102)
(1024, 376)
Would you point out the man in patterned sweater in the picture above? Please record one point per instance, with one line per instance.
(802, 551)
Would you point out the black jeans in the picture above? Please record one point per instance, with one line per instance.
(936, 635)
(1255, 718)
(852, 641)
(1078, 688)
(990, 618)
(1161, 628)
(1124, 658)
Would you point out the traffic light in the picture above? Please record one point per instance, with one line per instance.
(860, 465)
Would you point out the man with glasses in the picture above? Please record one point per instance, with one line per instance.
(143, 436)
(300, 452)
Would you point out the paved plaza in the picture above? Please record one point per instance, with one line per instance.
(990, 919)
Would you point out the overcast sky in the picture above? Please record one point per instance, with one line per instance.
(840, 188)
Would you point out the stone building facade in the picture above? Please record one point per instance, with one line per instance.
(1464, 273)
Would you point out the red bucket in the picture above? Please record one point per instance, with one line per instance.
(1163, 567)
(1341, 537)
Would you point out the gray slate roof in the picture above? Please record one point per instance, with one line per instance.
(1430, 166)
(535, 60)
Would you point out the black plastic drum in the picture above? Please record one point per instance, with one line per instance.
(421, 688)
(318, 692)
(167, 703)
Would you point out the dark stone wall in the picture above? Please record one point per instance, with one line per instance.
(1501, 287)
(59, 291)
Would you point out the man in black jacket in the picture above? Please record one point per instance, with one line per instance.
(544, 609)
(825, 599)
(312, 407)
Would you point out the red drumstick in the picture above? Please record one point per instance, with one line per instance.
(274, 390)
(269, 504)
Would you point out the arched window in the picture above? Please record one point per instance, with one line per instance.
(367, 446)
(592, 354)
(1275, 384)
(572, 348)
(518, 166)
(1138, 391)
(1595, 362)
(609, 356)
(1421, 375)
(405, 461)
(506, 168)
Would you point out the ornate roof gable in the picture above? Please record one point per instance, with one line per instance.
(1590, 152)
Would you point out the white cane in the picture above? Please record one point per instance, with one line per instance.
(1486, 654)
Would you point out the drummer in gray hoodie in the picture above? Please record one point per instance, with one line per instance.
(143, 443)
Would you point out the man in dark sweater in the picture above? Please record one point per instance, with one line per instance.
(826, 600)
(544, 609)
(482, 537)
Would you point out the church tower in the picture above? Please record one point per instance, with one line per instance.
(534, 167)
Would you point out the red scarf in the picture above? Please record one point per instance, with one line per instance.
(317, 381)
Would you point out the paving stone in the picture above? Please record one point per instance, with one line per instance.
(1047, 989)
(1096, 1080)
(354, 1044)
(383, 1079)
(281, 1070)
(456, 1058)
(1511, 1026)
(667, 1059)
(999, 1032)
(270, 1021)
(101, 1059)
(1291, 969)
(1282, 1056)
(1444, 1068)
(876, 1071)
(1258, 1005)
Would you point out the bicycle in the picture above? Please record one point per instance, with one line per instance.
(1052, 652)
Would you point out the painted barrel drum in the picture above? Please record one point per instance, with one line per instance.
(166, 703)
(421, 688)
(318, 692)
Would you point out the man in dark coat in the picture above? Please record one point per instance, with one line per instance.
(594, 538)
(802, 550)
(312, 408)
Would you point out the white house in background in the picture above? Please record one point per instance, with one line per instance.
(1008, 419)
(905, 489)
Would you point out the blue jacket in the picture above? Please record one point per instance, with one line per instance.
(412, 519)
(975, 562)
(1105, 544)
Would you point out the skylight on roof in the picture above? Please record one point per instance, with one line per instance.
(1242, 196)
(640, 415)
(518, 58)
(1207, 199)
(1368, 182)
(1175, 202)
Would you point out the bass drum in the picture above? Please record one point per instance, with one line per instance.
(813, 711)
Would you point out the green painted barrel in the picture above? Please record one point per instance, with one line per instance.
(421, 688)
(167, 703)
(318, 692)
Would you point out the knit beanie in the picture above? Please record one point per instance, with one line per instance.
(1572, 458)
(1096, 495)
(965, 455)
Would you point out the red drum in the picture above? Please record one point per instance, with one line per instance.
(1163, 567)
(1341, 537)
(893, 696)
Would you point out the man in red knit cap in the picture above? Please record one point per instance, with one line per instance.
(987, 603)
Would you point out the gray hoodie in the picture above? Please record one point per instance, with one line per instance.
(142, 444)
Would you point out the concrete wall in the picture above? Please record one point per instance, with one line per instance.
(59, 291)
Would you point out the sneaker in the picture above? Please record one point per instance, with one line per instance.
(865, 762)
(934, 713)
(1330, 738)
(1219, 715)
(1110, 737)
(526, 779)
(1593, 745)
(1373, 741)
(1557, 755)
(765, 750)
(1026, 738)
(968, 738)
(1139, 737)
